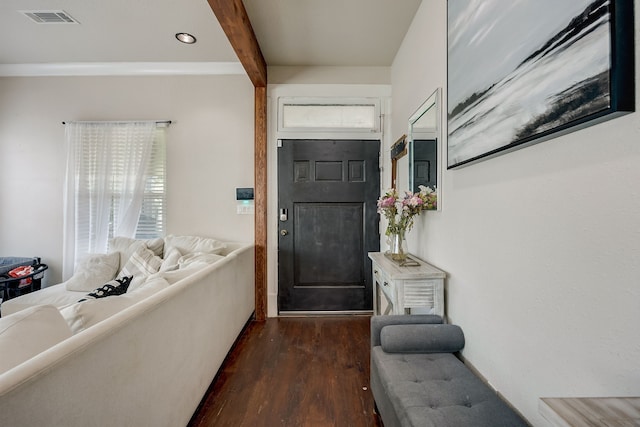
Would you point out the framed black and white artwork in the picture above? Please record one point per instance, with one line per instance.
(521, 72)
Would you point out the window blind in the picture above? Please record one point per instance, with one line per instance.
(152, 220)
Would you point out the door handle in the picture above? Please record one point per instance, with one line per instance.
(283, 232)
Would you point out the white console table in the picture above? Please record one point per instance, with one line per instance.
(404, 288)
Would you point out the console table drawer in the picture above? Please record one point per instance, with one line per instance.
(378, 274)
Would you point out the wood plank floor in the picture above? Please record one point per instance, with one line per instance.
(294, 371)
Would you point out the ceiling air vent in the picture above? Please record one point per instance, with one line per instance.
(49, 16)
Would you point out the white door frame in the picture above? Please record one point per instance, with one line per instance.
(347, 92)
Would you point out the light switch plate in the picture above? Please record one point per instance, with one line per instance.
(245, 209)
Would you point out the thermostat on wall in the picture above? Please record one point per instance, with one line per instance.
(244, 193)
(244, 198)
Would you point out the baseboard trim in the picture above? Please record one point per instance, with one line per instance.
(325, 313)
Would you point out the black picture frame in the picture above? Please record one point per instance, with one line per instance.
(495, 116)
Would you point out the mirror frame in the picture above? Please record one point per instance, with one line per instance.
(398, 151)
(433, 100)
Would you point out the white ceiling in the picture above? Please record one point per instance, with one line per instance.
(330, 32)
(290, 32)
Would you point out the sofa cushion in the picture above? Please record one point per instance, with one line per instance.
(93, 271)
(28, 333)
(111, 288)
(56, 295)
(198, 258)
(421, 338)
(141, 263)
(191, 244)
(87, 313)
(175, 276)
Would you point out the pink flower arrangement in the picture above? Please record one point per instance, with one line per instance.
(400, 212)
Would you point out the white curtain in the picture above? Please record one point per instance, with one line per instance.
(106, 164)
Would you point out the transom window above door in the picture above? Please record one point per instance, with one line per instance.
(328, 114)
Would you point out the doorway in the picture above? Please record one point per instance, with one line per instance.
(328, 222)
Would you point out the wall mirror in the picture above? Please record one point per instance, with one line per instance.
(424, 137)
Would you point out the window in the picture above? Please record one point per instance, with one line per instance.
(329, 116)
(323, 114)
(115, 186)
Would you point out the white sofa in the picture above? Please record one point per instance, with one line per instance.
(149, 364)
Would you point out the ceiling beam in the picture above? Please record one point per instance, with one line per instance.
(235, 22)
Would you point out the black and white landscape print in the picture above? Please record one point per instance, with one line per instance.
(517, 69)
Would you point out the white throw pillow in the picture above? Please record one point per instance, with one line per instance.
(190, 244)
(121, 243)
(156, 246)
(29, 332)
(82, 315)
(140, 264)
(95, 270)
(127, 244)
(171, 259)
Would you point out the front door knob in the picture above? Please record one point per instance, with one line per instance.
(284, 232)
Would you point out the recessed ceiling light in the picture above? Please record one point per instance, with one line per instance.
(186, 38)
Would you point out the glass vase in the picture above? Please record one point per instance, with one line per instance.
(397, 246)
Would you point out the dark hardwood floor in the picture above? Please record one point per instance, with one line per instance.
(294, 371)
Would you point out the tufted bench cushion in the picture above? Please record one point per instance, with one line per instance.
(432, 389)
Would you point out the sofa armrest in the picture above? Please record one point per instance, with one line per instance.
(421, 339)
(379, 322)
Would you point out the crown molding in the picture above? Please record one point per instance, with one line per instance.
(121, 69)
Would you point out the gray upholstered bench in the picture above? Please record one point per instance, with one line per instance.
(416, 379)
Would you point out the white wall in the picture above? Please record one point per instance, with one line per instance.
(301, 75)
(542, 246)
(209, 150)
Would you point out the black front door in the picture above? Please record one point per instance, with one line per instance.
(327, 193)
